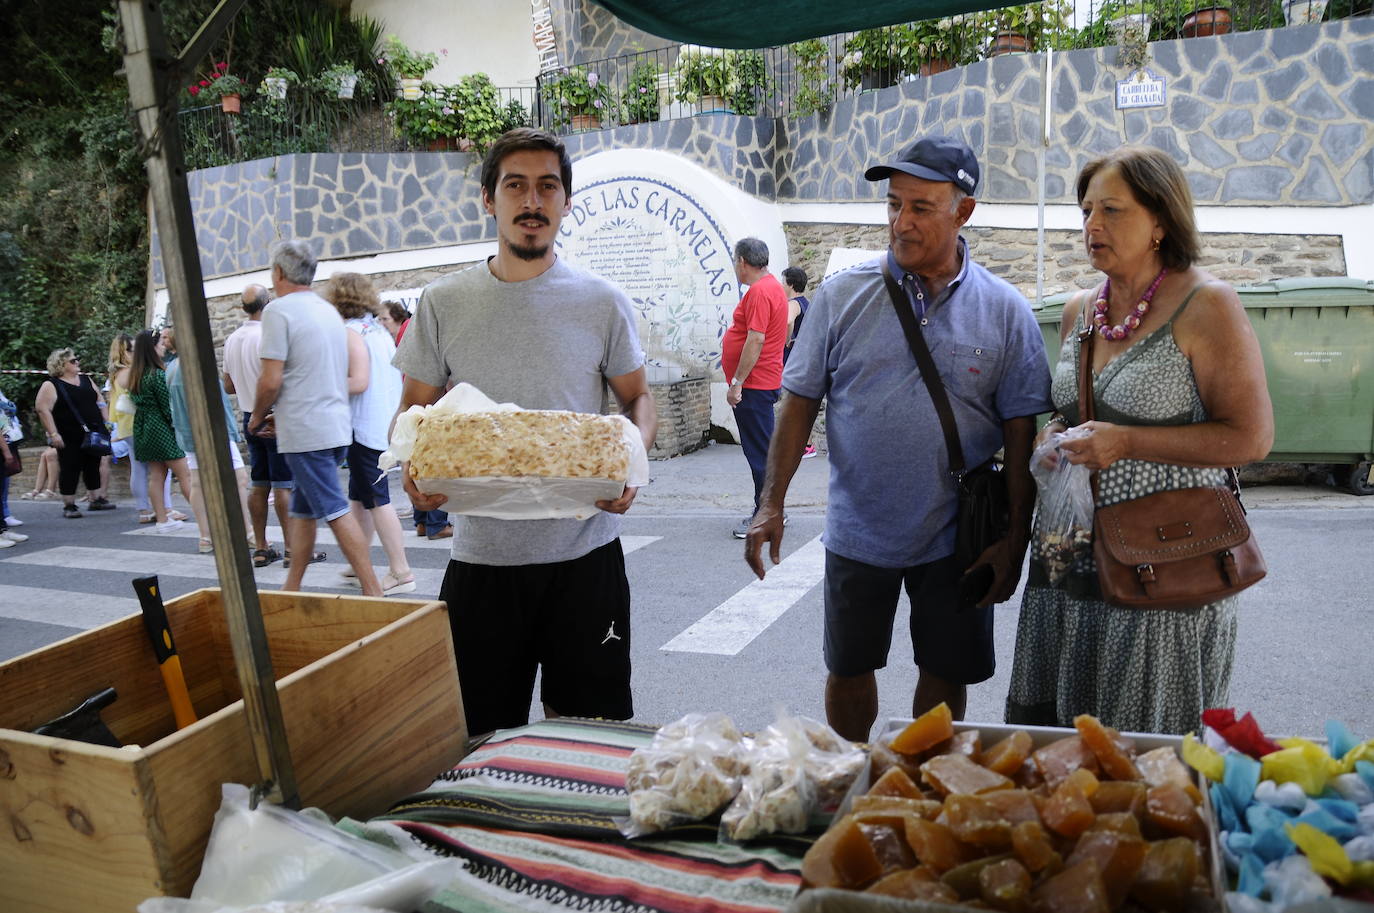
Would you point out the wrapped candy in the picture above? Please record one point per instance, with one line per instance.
(1241, 734)
(1203, 758)
(1064, 505)
(1302, 762)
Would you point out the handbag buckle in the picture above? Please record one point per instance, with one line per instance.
(1145, 573)
(1228, 567)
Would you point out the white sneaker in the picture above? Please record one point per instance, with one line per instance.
(170, 526)
(7, 543)
(391, 586)
(12, 536)
(13, 521)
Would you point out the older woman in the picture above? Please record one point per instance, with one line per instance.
(67, 412)
(374, 388)
(1179, 394)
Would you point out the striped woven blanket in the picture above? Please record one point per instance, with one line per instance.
(531, 813)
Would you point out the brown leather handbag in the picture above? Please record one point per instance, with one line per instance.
(1173, 549)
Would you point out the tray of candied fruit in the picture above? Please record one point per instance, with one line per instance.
(952, 816)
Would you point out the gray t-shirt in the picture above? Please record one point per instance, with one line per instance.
(306, 332)
(546, 343)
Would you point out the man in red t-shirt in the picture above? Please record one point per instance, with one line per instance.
(751, 356)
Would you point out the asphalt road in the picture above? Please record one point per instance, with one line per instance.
(706, 637)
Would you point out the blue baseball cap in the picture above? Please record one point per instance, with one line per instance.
(935, 158)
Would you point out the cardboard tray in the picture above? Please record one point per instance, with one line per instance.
(372, 711)
(832, 900)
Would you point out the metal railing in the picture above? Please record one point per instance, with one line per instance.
(795, 80)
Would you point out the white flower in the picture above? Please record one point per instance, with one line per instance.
(593, 79)
(597, 103)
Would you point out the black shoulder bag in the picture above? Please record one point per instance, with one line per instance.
(94, 443)
(983, 514)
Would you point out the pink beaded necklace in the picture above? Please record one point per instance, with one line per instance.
(1123, 329)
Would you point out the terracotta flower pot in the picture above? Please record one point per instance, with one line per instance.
(938, 65)
(440, 144)
(230, 104)
(1009, 43)
(584, 122)
(1200, 23)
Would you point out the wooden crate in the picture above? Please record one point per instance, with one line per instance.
(369, 696)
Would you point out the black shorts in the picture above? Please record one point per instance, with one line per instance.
(861, 603)
(570, 618)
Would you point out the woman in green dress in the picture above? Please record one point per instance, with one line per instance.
(155, 441)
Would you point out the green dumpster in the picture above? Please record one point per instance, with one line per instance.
(1317, 338)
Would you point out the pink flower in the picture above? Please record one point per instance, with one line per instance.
(381, 61)
(444, 51)
(204, 83)
(221, 66)
(642, 90)
(597, 103)
(592, 79)
(194, 90)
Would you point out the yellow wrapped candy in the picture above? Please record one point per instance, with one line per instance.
(1362, 752)
(1302, 762)
(1203, 758)
(1325, 852)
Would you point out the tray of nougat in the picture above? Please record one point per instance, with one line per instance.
(953, 816)
(522, 464)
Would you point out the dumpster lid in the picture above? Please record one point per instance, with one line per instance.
(1318, 284)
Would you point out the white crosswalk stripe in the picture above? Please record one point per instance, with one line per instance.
(731, 626)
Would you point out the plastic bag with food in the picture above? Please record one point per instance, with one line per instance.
(690, 770)
(1065, 504)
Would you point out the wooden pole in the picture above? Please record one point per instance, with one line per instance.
(155, 76)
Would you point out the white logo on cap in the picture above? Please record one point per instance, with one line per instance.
(965, 176)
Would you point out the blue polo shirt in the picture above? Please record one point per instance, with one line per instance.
(892, 499)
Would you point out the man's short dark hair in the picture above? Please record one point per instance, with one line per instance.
(795, 277)
(752, 251)
(517, 140)
(257, 301)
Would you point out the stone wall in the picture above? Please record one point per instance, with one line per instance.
(1241, 259)
(1276, 117)
(587, 31)
(684, 416)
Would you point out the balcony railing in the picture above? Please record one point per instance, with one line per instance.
(795, 80)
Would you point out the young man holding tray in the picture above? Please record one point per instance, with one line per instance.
(528, 328)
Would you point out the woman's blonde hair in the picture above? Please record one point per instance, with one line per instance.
(352, 294)
(1161, 187)
(58, 360)
(121, 352)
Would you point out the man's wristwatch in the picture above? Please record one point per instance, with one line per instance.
(734, 382)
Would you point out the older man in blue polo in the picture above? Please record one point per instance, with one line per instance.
(891, 518)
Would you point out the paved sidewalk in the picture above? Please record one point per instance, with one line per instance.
(715, 481)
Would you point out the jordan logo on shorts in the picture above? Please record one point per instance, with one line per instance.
(610, 634)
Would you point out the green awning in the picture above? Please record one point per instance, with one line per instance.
(764, 23)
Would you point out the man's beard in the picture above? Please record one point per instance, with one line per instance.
(527, 251)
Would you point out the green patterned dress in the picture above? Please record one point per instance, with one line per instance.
(154, 439)
(1143, 671)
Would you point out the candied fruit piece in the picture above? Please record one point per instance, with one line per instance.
(955, 774)
(928, 729)
(1118, 796)
(1016, 805)
(1007, 756)
(1100, 740)
(1121, 822)
(964, 878)
(935, 845)
(913, 884)
(1006, 885)
(884, 759)
(969, 742)
(1084, 781)
(974, 821)
(1060, 758)
(1118, 857)
(1170, 808)
(1033, 847)
(922, 808)
(1163, 765)
(1166, 876)
(889, 844)
(895, 782)
(1068, 812)
(841, 858)
(1075, 890)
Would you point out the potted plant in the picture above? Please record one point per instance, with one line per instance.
(275, 82)
(410, 66)
(812, 69)
(1028, 26)
(640, 101)
(1303, 12)
(1207, 17)
(1128, 18)
(751, 76)
(514, 115)
(873, 57)
(221, 86)
(935, 45)
(579, 96)
(342, 80)
(719, 81)
(431, 120)
(481, 118)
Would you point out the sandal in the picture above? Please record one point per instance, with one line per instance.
(265, 556)
(175, 515)
(314, 559)
(146, 516)
(206, 546)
